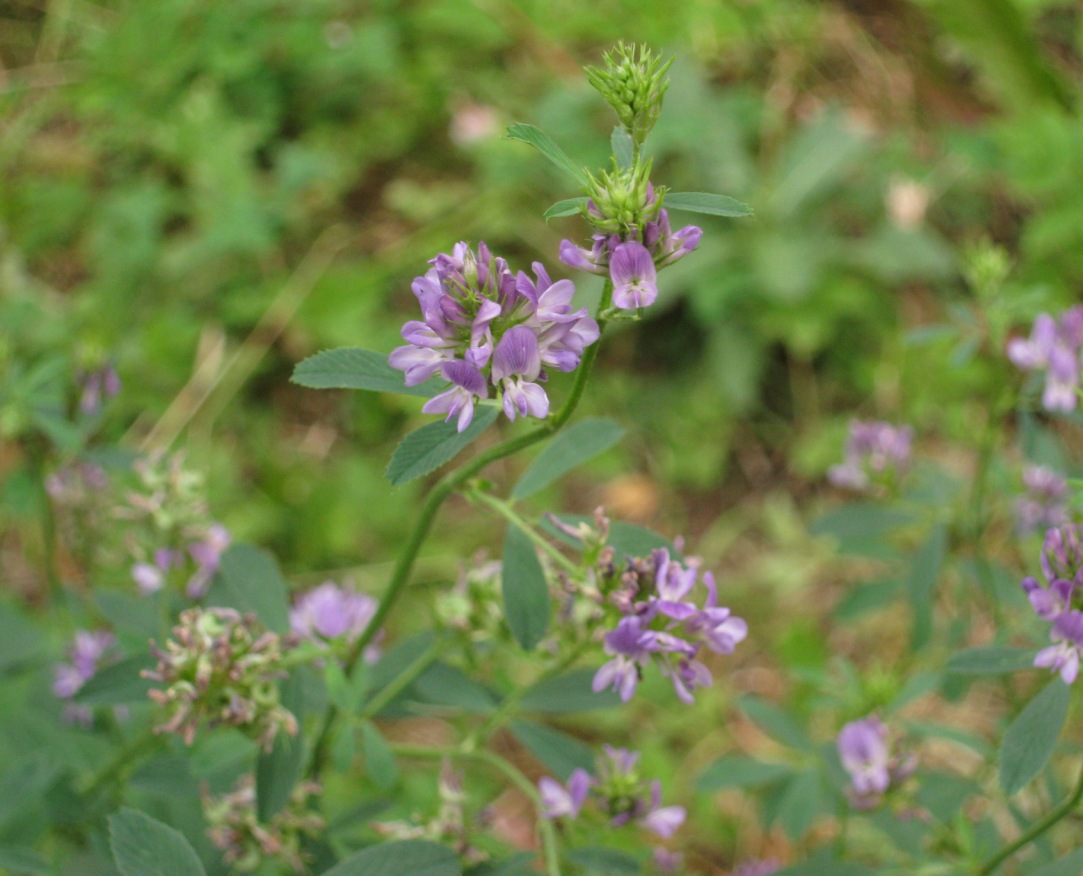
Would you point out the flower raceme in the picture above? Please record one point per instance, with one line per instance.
(1054, 347)
(1054, 601)
(484, 329)
(876, 453)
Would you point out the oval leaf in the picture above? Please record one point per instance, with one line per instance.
(117, 684)
(354, 368)
(990, 661)
(547, 146)
(1030, 739)
(431, 446)
(526, 593)
(278, 770)
(568, 207)
(145, 847)
(701, 202)
(380, 763)
(249, 580)
(567, 693)
(570, 448)
(558, 752)
(739, 771)
(921, 584)
(416, 857)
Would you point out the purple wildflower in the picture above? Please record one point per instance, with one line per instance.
(483, 327)
(1048, 602)
(634, 276)
(1054, 346)
(1045, 502)
(330, 612)
(875, 451)
(564, 801)
(865, 755)
(87, 651)
(1062, 553)
(1063, 655)
(97, 385)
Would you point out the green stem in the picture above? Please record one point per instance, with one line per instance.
(1035, 830)
(443, 489)
(125, 760)
(512, 773)
(508, 513)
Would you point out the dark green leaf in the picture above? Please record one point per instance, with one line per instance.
(431, 446)
(346, 692)
(354, 368)
(444, 685)
(775, 722)
(117, 684)
(567, 693)
(413, 857)
(990, 660)
(921, 584)
(803, 801)
(701, 202)
(1069, 865)
(623, 146)
(547, 147)
(128, 611)
(862, 527)
(278, 770)
(145, 847)
(14, 860)
(866, 597)
(380, 763)
(1030, 739)
(526, 592)
(558, 752)
(567, 207)
(570, 448)
(249, 580)
(739, 771)
(606, 862)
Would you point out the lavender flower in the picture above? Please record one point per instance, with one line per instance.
(634, 276)
(1063, 655)
(331, 612)
(1045, 502)
(1054, 346)
(86, 654)
(97, 384)
(661, 626)
(564, 801)
(865, 755)
(1062, 553)
(485, 328)
(876, 452)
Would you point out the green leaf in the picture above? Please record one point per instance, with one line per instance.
(18, 860)
(547, 146)
(803, 800)
(20, 640)
(1030, 739)
(445, 685)
(606, 862)
(431, 446)
(775, 722)
(567, 207)
(739, 771)
(861, 527)
(278, 770)
(1069, 865)
(558, 752)
(921, 584)
(145, 847)
(526, 592)
(623, 147)
(415, 857)
(570, 692)
(866, 597)
(117, 684)
(346, 692)
(380, 763)
(249, 580)
(570, 448)
(701, 202)
(990, 660)
(627, 539)
(354, 368)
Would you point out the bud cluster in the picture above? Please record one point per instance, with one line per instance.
(633, 82)
(221, 669)
(235, 828)
(1045, 502)
(877, 453)
(484, 328)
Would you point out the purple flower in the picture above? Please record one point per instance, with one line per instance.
(99, 384)
(1062, 553)
(1048, 602)
(87, 651)
(1054, 345)
(331, 612)
(560, 801)
(875, 451)
(662, 820)
(1045, 502)
(632, 647)
(1063, 655)
(207, 554)
(634, 276)
(865, 755)
(516, 365)
(468, 384)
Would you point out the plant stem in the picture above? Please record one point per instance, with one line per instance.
(508, 513)
(125, 760)
(443, 489)
(512, 773)
(1035, 830)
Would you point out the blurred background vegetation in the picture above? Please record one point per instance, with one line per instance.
(204, 193)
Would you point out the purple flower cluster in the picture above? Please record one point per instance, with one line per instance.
(632, 259)
(330, 612)
(97, 385)
(483, 327)
(865, 754)
(1054, 347)
(1062, 566)
(617, 790)
(198, 562)
(660, 626)
(1045, 502)
(87, 651)
(875, 452)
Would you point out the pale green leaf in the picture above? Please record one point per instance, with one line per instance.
(547, 147)
(1031, 738)
(702, 202)
(570, 448)
(145, 847)
(354, 368)
(526, 592)
(431, 446)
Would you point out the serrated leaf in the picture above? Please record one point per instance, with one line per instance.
(547, 146)
(354, 368)
(921, 584)
(558, 752)
(249, 580)
(143, 846)
(415, 857)
(526, 592)
(431, 446)
(623, 147)
(990, 660)
(567, 207)
(570, 692)
(739, 771)
(572, 447)
(702, 202)
(278, 770)
(117, 684)
(1031, 738)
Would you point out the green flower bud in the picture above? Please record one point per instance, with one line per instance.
(634, 83)
(623, 200)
